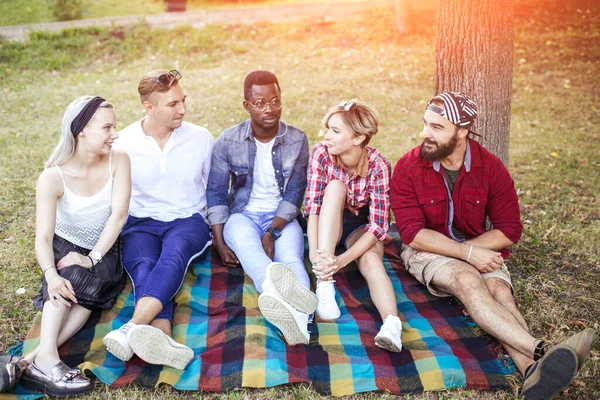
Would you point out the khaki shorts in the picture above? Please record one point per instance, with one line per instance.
(423, 266)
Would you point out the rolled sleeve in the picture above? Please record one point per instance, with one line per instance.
(410, 218)
(217, 215)
(287, 210)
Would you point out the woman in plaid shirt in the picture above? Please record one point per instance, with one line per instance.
(348, 203)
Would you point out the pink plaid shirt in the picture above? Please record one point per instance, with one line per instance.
(372, 189)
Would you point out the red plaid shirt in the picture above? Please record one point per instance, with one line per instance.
(483, 189)
(372, 189)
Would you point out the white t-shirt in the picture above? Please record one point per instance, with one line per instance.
(170, 183)
(265, 195)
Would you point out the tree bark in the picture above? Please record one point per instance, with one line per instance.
(474, 55)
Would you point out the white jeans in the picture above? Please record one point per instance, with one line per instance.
(242, 233)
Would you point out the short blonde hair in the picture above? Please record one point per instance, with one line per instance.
(361, 118)
(148, 84)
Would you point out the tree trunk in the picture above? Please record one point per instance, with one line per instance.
(474, 55)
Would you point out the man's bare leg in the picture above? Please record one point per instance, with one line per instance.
(503, 295)
(465, 282)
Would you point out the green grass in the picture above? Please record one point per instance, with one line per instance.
(554, 144)
(16, 12)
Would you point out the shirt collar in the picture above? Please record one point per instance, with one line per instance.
(144, 135)
(279, 138)
(362, 169)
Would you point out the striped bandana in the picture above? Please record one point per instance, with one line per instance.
(458, 109)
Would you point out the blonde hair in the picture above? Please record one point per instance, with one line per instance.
(65, 148)
(358, 116)
(148, 84)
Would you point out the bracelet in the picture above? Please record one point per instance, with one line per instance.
(469, 256)
(91, 259)
(47, 268)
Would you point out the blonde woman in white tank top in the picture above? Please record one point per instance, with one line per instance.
(82, 201)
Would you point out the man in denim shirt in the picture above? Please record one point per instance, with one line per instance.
(254, 193)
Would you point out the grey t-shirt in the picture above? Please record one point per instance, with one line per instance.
(451, 177)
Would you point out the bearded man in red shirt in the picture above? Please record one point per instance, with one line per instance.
(457, 213)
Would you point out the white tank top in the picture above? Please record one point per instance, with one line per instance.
(81, 219)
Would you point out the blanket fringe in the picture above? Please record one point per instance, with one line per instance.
(17, 349)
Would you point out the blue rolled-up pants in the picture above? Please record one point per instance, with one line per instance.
(156, 255)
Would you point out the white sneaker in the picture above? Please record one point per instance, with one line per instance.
(293, 324)
(117, 344)
(389, 336)
(282, 281)
(327, 308)
(156, 347)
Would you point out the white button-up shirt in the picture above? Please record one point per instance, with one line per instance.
(170, 183)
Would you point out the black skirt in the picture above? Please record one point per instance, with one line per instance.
(95, 288)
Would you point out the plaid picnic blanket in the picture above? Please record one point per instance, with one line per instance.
(218, 316)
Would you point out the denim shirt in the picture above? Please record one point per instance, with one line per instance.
(232, 171)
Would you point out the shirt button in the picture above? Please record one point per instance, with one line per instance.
(277, 171)
(431, 201)
(477, 201)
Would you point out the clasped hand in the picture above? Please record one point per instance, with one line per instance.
(325, 265)
(227, 255)
(485, 260)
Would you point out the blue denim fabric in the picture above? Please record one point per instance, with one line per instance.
(232, 171)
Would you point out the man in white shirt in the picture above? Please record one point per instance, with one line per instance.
(166, 228)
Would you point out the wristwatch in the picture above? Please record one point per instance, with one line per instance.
(96, 256)
(276, 233)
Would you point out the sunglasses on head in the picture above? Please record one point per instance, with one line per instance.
(347, 104)
(166, 80)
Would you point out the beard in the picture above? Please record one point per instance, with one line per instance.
(441, 151)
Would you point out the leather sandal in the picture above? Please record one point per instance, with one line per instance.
(61, 381)
(11, 370)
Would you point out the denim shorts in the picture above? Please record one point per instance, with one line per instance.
(351, 223)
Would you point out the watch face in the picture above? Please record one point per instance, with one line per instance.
(276, 233)
(95, 255)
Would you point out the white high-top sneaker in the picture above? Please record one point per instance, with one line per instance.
(292, 323)
(389, 336)
(116, 342)
(282, 281)
(327, 308)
